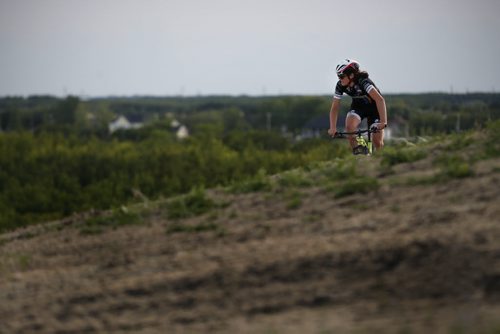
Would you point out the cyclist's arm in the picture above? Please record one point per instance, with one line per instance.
(334, 113)
(379, 100)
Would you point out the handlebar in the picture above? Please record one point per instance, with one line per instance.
(358, 133)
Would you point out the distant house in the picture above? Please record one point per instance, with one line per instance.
(121, 122)
(180, 131)
(125, 123)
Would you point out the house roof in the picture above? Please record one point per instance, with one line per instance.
(135, 118)
(131, 118)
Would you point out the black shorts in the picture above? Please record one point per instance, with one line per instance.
(368, 111)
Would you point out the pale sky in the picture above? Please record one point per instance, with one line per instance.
(254, 47)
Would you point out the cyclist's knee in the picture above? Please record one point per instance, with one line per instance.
(352, 122)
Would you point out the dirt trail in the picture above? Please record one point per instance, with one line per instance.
(406, 259)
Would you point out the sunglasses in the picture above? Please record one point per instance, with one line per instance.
(342, 76)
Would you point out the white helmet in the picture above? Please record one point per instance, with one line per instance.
(347, 64)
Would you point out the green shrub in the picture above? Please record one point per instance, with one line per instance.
(453, 166)
(492, 143)
(294, 178)
(259, 182)
(193, 204)
(460, 141)
(458, 170)
(493, 130)
(338, 171)
(395, 155)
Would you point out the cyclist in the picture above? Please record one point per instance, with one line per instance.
(367, 102)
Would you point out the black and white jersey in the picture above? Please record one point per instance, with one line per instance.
(359, 92)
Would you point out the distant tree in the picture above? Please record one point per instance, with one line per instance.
(12, 119)
(234, 119)
(65, 111)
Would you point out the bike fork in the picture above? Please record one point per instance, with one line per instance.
(369, 143)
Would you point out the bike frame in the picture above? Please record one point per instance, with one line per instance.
(360, 139)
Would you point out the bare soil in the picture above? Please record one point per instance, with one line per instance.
(403, 259)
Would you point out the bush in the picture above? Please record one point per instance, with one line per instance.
(295, 178)
(193, 204)
(453, 166)
(259, 182)
(339, 170)
(460, 141)
(458, 170)
(395, 155)
(492, 144)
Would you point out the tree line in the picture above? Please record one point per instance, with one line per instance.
(415, 114)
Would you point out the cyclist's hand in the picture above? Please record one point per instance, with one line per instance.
(375, 127)
(332, 132)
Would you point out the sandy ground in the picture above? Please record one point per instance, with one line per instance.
(403, 259)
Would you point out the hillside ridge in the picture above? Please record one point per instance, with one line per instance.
(402, 241)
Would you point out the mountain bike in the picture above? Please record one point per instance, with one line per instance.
(364, 145)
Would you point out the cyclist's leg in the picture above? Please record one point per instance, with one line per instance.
(377, 137)
(352, 121)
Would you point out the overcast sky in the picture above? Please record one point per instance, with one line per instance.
(254, 47)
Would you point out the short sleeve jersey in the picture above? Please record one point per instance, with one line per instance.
(359, 92)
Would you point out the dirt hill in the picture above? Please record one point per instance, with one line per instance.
(403, 242)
